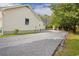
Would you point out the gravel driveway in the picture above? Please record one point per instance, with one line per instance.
(40, 44)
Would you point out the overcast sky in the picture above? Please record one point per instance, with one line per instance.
(39, 8)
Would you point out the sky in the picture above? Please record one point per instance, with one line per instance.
(39, 8)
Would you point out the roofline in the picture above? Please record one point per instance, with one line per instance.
(7, 8)
(18, 6)
(36, 15)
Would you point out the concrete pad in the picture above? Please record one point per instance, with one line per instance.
(41, 44)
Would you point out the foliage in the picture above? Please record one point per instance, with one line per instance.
(66, 16)
(47, 21)
(49, 26)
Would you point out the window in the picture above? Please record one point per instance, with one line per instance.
(26, 21)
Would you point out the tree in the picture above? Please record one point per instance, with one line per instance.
(66, 16)
(47, 21)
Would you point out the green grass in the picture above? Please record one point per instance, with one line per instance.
(71, 46)
(10, 35)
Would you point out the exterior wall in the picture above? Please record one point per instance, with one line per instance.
(0, 22)
(15, 19)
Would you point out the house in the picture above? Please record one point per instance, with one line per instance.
(22, 18)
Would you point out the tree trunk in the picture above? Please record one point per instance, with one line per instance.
(74, 29)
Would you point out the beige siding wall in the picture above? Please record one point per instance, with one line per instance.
(0, 19)
(15, 19)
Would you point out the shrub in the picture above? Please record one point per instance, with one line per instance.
(49, 26)
(16, 31)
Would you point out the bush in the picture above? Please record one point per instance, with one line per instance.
(49, 26)
(16, 31)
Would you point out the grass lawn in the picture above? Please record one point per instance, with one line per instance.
(9, 35)
(71, 45)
